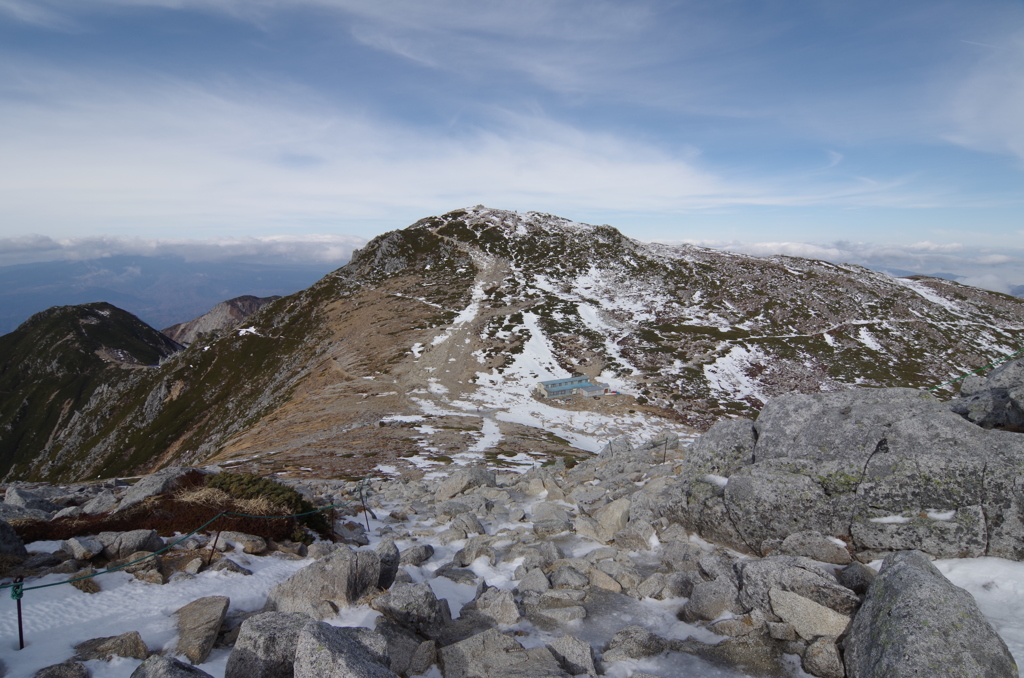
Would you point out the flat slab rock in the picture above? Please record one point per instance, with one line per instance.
(199, 623)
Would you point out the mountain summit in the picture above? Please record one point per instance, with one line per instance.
(427, 349)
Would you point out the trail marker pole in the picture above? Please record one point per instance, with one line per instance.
(366, 516)
(213, 549)
(16, 593)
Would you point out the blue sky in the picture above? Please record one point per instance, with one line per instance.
(879, 125)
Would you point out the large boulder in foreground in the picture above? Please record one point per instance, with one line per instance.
(266, 646)
(324, 651)
(914, 622)
(885, 469)
(334, 582)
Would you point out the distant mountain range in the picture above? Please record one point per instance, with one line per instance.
(426, 349)
(161, 291)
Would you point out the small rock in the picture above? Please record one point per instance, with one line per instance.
(140, 561)
(611, 518)
(633, 642)
(416, 555)
(549, 527)
(125, 645)
(38, 561)
(807, 617)
(499, 606)
(415, 607)
(65, 670)
(69, 512)
(635, 537)
(652, 586)
(575, 655)
(102, 503)
(119, 545)
(821, 658)
(601, 580)
(739, 626)
(796, 575)
(163, 667)
(29, 500)
(462, 480)
(193, 566)
(82, 548)
(228, 565)
(150, 577)
(468, 523)
(568, 577)
(535, 581)
(320, 549)
(389, 558)
(250, 543)
(709, 600)
(83, 582)
(781, 631)
(857, 577)
(562, 615)
(160, 482)
(199, 624)
(815, 546)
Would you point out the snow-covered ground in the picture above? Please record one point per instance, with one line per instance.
(59, 617)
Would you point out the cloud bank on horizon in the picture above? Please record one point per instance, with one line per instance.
(785, 124)
(305, 249)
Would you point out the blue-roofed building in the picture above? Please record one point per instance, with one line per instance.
(560, 388)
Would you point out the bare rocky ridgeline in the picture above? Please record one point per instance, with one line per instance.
(756, 536)
(425, 349)
(223, 316)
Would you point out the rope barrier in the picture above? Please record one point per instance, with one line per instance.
(991, 364)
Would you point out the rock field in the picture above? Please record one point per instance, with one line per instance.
(753, 543)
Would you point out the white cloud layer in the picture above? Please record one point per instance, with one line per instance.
(290, 249)
(970, 266)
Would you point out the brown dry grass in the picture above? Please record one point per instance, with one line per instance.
(212, 496)
(167, 514)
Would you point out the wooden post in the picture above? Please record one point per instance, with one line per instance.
(213, 548)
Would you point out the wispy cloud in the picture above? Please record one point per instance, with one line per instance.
(315, 249)
(94, 151)
(37, 14)
(988, 103)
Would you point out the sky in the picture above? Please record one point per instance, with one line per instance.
(860, 129)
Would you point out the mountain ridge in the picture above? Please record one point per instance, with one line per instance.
(425, 348)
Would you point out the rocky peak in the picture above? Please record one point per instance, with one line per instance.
(224, 315)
